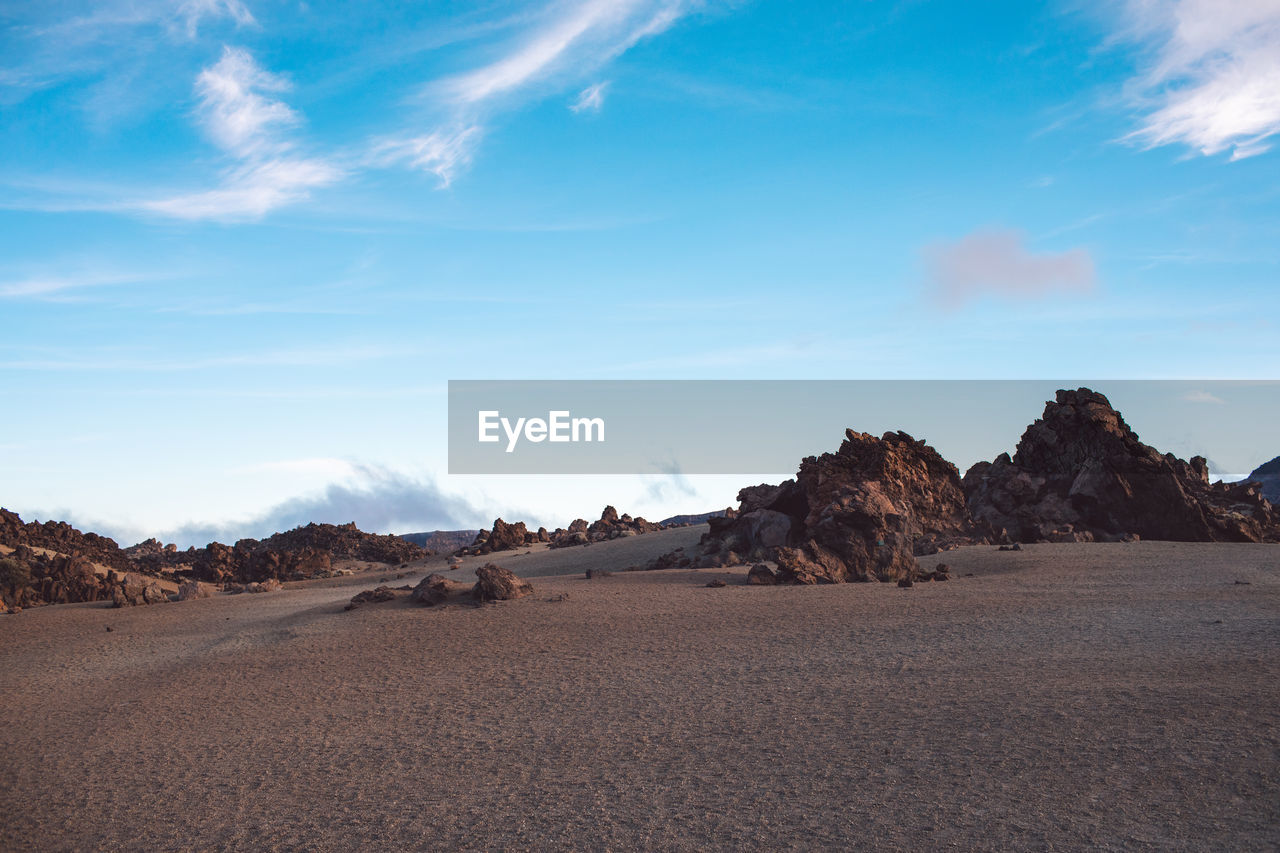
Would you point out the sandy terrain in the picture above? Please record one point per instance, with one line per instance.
(1066, 696)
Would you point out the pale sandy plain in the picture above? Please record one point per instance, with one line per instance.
(1063, 697)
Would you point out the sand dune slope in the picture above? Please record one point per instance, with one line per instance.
(1112, 696)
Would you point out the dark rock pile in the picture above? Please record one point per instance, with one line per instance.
(610, 526)
(861, 513)
(30, 579)
(1080, 474)
(298, 554)
(63, 538)
(513, 537)
(503, 537)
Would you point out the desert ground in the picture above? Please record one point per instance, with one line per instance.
(1112, 696)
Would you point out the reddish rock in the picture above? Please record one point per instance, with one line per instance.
(438, 589)
(494, 583)
(761, 575)
(372, 596)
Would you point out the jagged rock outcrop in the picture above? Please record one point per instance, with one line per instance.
(63, 538)
(861, 513)
(298, 554)
(1081, 474)
(1267, 476)
(609, 526)
(29, 579)
(510, 537)
(501, 537)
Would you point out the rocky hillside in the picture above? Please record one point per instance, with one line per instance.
(63, 538)
(1081, 474)
(54, 563)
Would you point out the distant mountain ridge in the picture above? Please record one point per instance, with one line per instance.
(700, 518)
(441, 541)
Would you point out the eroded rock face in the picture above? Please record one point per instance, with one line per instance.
(861, 513)
(1080, 474)
(494, 583)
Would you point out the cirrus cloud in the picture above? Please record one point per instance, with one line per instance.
(1212, 76)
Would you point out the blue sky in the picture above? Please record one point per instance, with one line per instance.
(246, 243)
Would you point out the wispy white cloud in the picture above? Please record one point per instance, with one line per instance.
(568, 42)
(193, 11)
(997, 262)
(1202, 397)
(241, 115)
(443, 152)
(58, 287)
(590, 99)
(236, 109)
(1212, 76)
(249, 192)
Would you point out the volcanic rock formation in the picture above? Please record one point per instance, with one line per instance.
(1081, 474)
(860, 513)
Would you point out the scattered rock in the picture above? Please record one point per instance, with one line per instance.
(716, 584)
(598, 573)
(761, 575)
(905, 582)
(372, 596)
(437, 589)
(495, 583)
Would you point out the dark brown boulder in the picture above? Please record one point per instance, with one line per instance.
(1080, 474)
(437, 589)
(372, 596)
(494, 583)
(761, 575)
